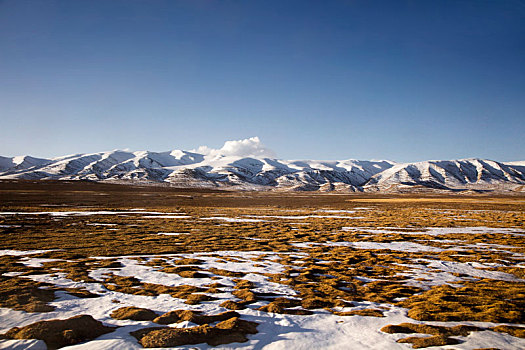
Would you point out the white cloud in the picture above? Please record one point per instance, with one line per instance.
(251, 147)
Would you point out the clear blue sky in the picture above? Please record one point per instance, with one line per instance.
(400, 80)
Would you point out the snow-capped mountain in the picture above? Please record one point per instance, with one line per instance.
(452, 174)
(246, 164)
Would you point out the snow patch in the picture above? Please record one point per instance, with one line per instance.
(232, 219)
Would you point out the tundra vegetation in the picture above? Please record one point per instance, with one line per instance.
(174, 267)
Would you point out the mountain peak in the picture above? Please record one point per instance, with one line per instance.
(248, 164)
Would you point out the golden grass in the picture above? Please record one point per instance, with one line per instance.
(362, 312)
(225, 332)
(440, 335)
(484, 300)
(478, 200)
(193, 316)
(512, 330)
(232, 305)
(326, 277)
(423, 342)
(25, 295)
(133, 313)
(60, 333)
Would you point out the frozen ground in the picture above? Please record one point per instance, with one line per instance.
(323, 329)
(423, 267)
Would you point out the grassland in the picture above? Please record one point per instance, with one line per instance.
(449, 267)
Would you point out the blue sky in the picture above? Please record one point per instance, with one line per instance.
(399, 80)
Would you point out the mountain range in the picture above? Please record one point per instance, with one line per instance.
(247, 165)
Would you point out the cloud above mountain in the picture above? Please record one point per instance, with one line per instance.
(232, 166)
(251, 147)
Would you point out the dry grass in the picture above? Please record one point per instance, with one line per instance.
(60, 333)
(440, 335)
(25, 295)
(485, 300)
(225, 332)
(436, 199)
(133, 313)
(512, 330)
(193, 316)
(362, 312)
(327, 277)
(423, 342)
(232, 305)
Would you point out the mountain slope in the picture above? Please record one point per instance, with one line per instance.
(449, 175)
(247, 165)
(193, 169)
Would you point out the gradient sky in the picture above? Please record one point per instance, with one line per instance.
(400, 80)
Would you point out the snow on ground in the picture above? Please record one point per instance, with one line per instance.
(232, 219)
(437, 272)
(400, 246)
(276, 332)
(166, 216)
(21, 252)
(89, 213)
(26, 344)
(100, 224)
(323, 330)
(173, 233)
(436, 231)
(302, 217)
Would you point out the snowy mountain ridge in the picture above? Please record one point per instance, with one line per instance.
(246, 164)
